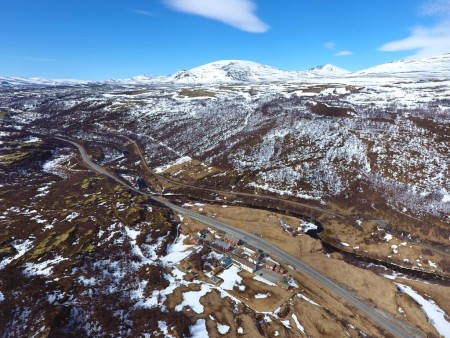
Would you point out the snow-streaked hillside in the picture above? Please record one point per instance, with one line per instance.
(227, 71)
(9, 82)
(241, 71)
(437, 67)
(329, 70)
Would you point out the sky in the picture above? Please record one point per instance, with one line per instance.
(104, 39)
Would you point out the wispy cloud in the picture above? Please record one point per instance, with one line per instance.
(27, 58)
(344, 53)
(142, 12)
(427, 41)
(329, 45)
(439, 8)
(236, 13)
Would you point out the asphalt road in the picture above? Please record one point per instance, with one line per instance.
(386, 321)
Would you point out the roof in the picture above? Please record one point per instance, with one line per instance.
(256, 256)
(222, 244)
(243, 261)
(216, 279)
(269, 263)
(249, 247)
(283, 283)
(226, 259)
(231, 238)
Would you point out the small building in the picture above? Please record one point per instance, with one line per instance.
(226, 261)
(232, 240)
(221, 245)
(283, 283)
(250, 267)
(216, 280)
(270, 265)
(255, 258)
(280, 270)
(249, 249)
(242, 263)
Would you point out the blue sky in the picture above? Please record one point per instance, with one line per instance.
(102, 39)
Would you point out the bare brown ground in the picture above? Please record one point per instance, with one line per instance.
(379, 248)
(378, 291)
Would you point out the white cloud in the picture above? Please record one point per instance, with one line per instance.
(343, 53)
(142, 12)
(236, 13)
(329, 45)
(427, 41)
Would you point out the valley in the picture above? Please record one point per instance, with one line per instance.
(104, 186)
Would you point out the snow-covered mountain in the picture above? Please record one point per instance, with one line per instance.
(329, 70)
(241, 71)
(227, 71)
(434, 67)
(20, 82)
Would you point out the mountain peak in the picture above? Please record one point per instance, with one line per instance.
(229, 71)
(328, 68)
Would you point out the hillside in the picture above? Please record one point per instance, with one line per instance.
(348, 173)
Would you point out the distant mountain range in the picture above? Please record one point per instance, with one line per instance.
(240, 71)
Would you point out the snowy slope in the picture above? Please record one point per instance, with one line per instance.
(241, 71)
(329, 70)
(228, 71)
(433, 67)
(9, 82)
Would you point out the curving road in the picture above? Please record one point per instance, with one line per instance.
(385, 321)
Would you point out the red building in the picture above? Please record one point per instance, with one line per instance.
(234, 241)
(221, 245)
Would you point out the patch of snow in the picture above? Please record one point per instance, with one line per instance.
(133, 234)
(55, 166)
(2, 297)
(307, 226)
(87, 281)
(223, 329)
(307, 299)
(72, 216)
(44, 269)
(21, 248)
(286, 323)
(230, 278)
(345, 244)
(198, 330)
(292, 283)
(297, 323)
(240, 330)
(192, 299)
(181, 160)
(164, 329)
(388, 237)
(434, 313)
(177, 251)
(262, 295)
(32, 139)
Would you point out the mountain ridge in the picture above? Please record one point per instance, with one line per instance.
(244, 71)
